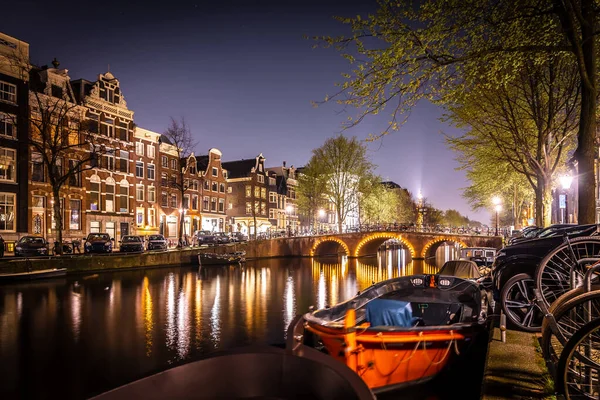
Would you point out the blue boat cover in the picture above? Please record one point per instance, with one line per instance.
(384, 312)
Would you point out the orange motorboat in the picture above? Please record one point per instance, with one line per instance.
(401, 331)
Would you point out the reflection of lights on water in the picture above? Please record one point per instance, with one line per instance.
(19, 304)
(334, 288)
(198, 311)
(344, 265)
(76, 314)
(148, 321)
(183, 326)
(215, 323)
(171, 310)
(322, 291)
(389, 265)
(289, 300)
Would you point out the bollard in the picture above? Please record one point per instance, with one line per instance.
(502, 327)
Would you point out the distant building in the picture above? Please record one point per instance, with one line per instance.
(110, 185)
(145, 159)
(283, 210)
(214, 192)
(247, 200)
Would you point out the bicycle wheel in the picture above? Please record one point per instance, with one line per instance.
(519, 305)
(571, 311)
(578, 370)
(563, 268)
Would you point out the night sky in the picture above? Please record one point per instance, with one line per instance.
(242, 75)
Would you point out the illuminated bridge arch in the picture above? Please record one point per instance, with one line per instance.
(379, 238)
(434, 244)
(330, 239)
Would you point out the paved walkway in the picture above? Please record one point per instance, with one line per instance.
(516, 369)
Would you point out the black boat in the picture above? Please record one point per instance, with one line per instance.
(256, 372)
(33, 275)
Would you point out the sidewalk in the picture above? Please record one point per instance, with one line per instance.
(516, 369)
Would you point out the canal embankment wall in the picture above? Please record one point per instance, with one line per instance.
(173, 257)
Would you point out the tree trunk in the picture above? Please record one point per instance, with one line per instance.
(546, 205)
(539, 203)
(57, 221)
(587, 125)
(339, 215)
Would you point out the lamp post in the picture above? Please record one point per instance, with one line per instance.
(289, 210)
(321, 215)
(497, 206)
(565, 182)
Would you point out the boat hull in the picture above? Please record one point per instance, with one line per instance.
(399, 332)
(34, 275)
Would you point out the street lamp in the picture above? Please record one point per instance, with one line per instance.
(565, 182)
(496, 201)
(321, 216)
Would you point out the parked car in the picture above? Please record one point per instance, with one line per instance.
(222, 237)
(98, 243)
(157, 242)
(206, 237)
(238, 237)
(29, 246)
(515, 265)
(131, 244)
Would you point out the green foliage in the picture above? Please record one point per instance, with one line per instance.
(312, 192)
(343, 164)
(378, 203)
(406, 207)
(441, 50)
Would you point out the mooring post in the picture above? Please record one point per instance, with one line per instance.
(502, 327)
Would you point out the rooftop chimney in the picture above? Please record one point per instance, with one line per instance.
(55, 63)
(284, 164)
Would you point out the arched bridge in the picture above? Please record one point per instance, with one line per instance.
(358, 244)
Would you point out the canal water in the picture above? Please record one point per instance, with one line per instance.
(79, 336)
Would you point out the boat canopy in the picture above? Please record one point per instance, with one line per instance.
(465, 269)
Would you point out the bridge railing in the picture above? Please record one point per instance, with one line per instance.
(457, 230)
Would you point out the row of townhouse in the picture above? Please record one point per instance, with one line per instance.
(132, 187)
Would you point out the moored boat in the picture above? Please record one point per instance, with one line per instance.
(400, 331)
(221, 258)
(31, 275)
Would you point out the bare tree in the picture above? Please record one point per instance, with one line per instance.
(179, 135)
(64, 146)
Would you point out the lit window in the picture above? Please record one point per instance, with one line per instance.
(74, 220)
(151, 217)
(7, 211)
(95, 196)
(7, 164)
(139, 216)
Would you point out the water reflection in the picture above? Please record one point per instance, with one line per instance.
(130, 324)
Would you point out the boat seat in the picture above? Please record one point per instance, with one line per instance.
(436, 314)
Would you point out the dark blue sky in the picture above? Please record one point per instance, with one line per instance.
(242, 75)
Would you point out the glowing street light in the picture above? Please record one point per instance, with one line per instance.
(497, 206)
(565, 182)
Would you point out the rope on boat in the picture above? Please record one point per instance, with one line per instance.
(384, 347)
(453, 340)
